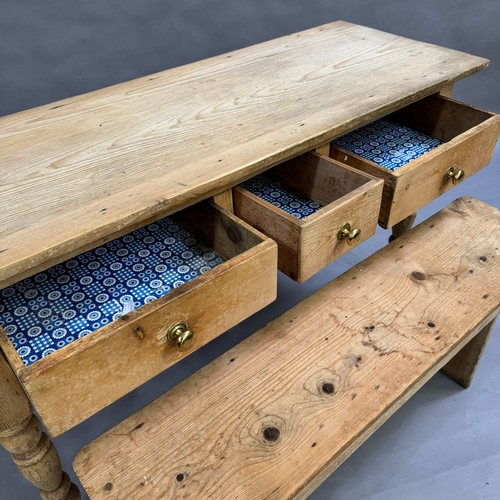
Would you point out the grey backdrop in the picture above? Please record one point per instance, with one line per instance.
(445, 442)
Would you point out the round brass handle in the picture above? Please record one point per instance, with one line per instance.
(345, 233)
(456, 177)
(181, 336)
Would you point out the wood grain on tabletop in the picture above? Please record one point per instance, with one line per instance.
(75, 172)
(273, 416)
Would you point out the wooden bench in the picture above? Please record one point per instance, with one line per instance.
(275, 415)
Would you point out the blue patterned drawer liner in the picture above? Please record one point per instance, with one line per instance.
(278, 195)
(387, 144)
(53, 308)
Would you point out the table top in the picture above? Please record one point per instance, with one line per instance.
(78, 172)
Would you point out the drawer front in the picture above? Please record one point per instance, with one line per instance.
(469, 136)
(307, 245)
(80, 379)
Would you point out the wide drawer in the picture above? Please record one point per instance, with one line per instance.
(466, 137)
(94, 369)
(315, 208)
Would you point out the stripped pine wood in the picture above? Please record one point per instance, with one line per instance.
(275, 415)
(280, 226)
(442, 118)
(447, 90)
(324, 150)
(225, 200)
(103, 366)
(463, 366)
(147, 148)
(469, 135)
(318, 177)
(32, 451)
(305, 246)
(319, 244)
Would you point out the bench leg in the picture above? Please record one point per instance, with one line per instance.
(402, 227)
(32, 450)
(462, 367)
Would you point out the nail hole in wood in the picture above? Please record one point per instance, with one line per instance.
(313, 445)
(179, 477)
(483, 258)
(107, 487)
(431, 324)
(328, 388)
(271, 434)
(485, 296)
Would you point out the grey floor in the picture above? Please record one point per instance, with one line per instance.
(444, 444)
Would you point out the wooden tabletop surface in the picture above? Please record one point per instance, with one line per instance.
(77, 172)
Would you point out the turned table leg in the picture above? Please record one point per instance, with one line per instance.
(463, 366)
(32, 450)
(402, 227)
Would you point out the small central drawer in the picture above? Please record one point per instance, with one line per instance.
(84, 333)
(315, 208)
(421, 151)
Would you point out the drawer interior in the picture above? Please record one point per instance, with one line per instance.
(53, 308)
(387, 143)
(410, 132)
(304, 185)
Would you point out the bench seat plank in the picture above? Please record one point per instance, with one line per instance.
(275, 415)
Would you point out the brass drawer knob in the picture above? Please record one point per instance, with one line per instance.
(345, 233)
(181, 336)
(456, 177)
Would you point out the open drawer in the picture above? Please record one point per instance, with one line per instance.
(461, 138)
(313, 207)
(85, 332)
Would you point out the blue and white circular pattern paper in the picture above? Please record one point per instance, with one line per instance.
(387, 144)
(55, 307)
(278, 195)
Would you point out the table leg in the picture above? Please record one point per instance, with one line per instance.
(32, 450)
(463, 366)
(402, 227)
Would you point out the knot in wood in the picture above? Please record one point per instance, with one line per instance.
(271, 434)
(418, 275)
